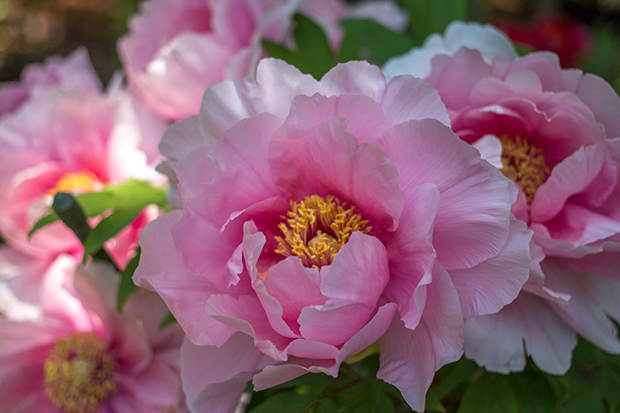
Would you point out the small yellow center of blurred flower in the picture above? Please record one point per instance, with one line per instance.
(524, 164)
(78, 373)
(316, 228)
(75, 183)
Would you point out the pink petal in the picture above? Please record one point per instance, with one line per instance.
(468, 229)
(360, 173)
(278, 374)
(496, 341)
(359, 271)
(604, 102)
(368, 334)
(365, 118)
(242, 163)
(185, 293)
(294, 287)
(411, 253)
(587, 172)
(406, 98)
(181, 138)
(489, 286)
(358, 78)
(219, 387)
(581, 226)
(593, 301)
(410, 358)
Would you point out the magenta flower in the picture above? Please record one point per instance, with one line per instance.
(178, 48)
(555, 133)
(84, 356)
(319, 218)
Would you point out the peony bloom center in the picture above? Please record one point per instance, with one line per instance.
(78, 373)
(316, 228)
(524, 164)
(76, 183)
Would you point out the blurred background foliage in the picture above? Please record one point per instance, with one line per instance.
(585, 33)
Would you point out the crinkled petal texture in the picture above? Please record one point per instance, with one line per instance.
(418, 202)
(146, 358)
(566, 125)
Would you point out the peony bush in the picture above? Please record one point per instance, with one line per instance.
(217, 230)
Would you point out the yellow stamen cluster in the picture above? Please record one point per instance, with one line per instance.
(78, 373)
(524, 164)
(75, 183)
(316, 228)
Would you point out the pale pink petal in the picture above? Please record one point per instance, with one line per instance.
(580, 226)
(468, 230)
(358, 172)
(587, 172)
(406, 98)
(603, 100)
(334, 322)
(411, 253)
(360, 78)
(242, 164)
(219, 387)
(294, 287)
(490, 149)
(181, 138)
(593, 301)
(359, 271)
(368, 334)
(526, 327)
(487, 287)
(161, 268)
(365, 118)
(410, 358)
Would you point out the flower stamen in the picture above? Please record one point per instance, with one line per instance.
(524, 164)
(75, 183)
(317, 228)
(79, 373)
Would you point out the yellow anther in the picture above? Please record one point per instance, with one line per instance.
(75, 183)
(316, 228)
(524, 164)
(79, 373)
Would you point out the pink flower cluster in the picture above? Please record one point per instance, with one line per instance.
(176, 49)
(555, 134)
(64, 347)
(320, 217)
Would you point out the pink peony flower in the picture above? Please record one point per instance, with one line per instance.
(82, 355)
(73, 140)
(320, 217)
(178, 48)
(73, 72)
(555, 133)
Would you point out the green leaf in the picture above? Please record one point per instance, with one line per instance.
(491, 393)
(532, 391)
(312, 46)
(312, 54)
(610, 384)
(127, 194)
(433, 403)
(325, 406)
(109, 227)
(366, 397)
(366, 39)
(590, 402)
(454, 375)
(428, 17)
(127, 286)
(285, 402)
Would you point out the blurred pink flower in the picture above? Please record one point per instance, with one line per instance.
(555, 133)
(73, 72)
(82, 355)
(319, 218)
(74, 140)
(178, 48)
